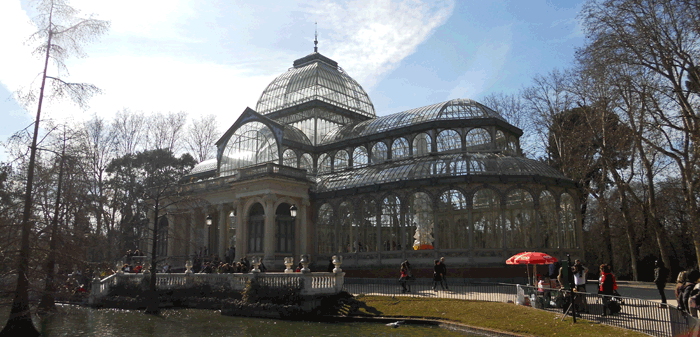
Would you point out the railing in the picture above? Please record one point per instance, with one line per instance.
(271, 168)
(636, 314)
(313, 283)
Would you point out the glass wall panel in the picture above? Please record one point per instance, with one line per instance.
(547, 221)
(478, 139)
(256, 228)
(567, 214)
(284, 229)
(488, 231)
(512, 147)
(253, 143)
(421, 145)
(359, 157)
(341, 161)
(390, 224)
(324, 164)
(289, 158)
(520, 218)
(367, 237)
(379, 153)
(500, 140)
(347, 229)
(453, 225)
(325, 231)
(420, 221)
(399, 149)
(449, 141)
(306, 163)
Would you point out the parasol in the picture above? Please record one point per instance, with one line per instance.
(534, 258)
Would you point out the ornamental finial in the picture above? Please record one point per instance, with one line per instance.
(316, 38)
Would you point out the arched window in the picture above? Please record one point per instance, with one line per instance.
(289, 158)
(324, 164)
(449, 141)
(252, 143)
(500, 140)
(453, 225)
(367, 237)
(399, 149)
(359, 157)
(520, 220)
(567, 214)
(512, 147)
(379, 153)
(547, 221)
(325, 231)
(341, 161)
(256, 228)
(284, 229)
(478, 139)
(421, 145)
(306, 163)
(348, 228)
(419, 227)
(390, 225)
(486, 219)
(163, 228)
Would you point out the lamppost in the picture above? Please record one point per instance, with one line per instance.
(208, 221)
(293, 211)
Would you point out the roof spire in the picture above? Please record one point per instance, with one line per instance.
(316, 38)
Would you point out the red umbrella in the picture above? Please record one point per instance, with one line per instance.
(528, 258)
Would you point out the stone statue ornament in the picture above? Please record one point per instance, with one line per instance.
(305, 263)
(255, 261)
(337, 261)
(188, 267)
(289, 262)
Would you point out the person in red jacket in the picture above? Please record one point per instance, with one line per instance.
(608, 285)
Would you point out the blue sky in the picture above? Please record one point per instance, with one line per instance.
(216, 57)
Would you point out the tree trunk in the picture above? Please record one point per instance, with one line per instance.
(153, 305)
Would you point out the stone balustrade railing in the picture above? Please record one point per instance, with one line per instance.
(313, 283)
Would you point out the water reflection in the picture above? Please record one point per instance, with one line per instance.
(80, 321)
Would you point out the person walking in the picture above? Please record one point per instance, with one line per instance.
(405, 288)
(678, 290)
(580, 272)
(687, 291)
(660, 277)
(444, 273)
(607, 287)
(437, 276)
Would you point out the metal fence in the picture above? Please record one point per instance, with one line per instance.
(644, 316)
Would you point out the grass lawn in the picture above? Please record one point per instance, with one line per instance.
(491, 315)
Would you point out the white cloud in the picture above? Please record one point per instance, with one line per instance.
(370, 38)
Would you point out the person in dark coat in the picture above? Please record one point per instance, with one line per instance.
(660, 278)
(437, 276)
(692, 279)
(443, 282)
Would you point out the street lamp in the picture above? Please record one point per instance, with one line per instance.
(209, 220)
(232, 224)
(293, 211)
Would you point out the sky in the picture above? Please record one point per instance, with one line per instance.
(217, 56)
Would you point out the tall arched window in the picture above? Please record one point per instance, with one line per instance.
(419, 227)
(478, 139)
(325, 231)
(567, 214)
(252, 143)
(256, 228)
(486, 219)
(284, 229)
(520, 216)
(421, 145)
(453, 226)
(500, 140)
(549, 237)
(163, 228)
(390, 223)
(449, 141)
(379, 153)
(367, 237)
(347, 229)
(341, 161)
(359, 157)
(399, 149)
(289, 158)
(324, 164)
(306, 163)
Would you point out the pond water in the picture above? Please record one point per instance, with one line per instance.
(81, 321)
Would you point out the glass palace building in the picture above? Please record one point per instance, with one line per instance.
(447, 179)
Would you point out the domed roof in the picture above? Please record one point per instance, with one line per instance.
(315, 77)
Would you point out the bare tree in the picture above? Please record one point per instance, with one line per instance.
(201, 136)
(129, 131)
(61, 34)
(165, 131)
(511, 107)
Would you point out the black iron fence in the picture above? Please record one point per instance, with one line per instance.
(634, 314)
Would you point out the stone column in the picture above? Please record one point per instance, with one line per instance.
(223, 224)
(171, 241)
(192, 243)
(241, 224)
(269, 237)
(146, 246)
(303, 220)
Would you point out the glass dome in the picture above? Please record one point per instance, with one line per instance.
(315, 77)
